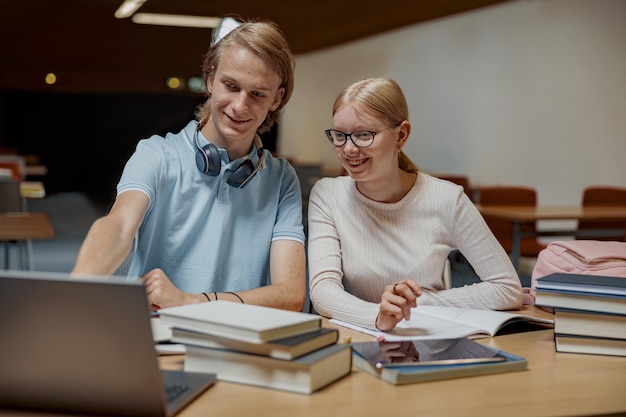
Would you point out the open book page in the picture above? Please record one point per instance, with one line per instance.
(434, 322)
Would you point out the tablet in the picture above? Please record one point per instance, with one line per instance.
(426, 352)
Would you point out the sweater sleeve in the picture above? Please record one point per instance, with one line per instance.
(500, 287)
(327, 291)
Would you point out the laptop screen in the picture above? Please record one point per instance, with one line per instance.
(78, 344)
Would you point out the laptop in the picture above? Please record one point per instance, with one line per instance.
(84, 345)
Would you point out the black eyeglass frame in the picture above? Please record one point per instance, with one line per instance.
(349, 135)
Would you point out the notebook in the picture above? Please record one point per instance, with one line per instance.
(84, 345)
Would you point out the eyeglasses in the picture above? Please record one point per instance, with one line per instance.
(360, 138)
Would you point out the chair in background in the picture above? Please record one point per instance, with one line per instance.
(13, 168)
(10, 196)
(503, 229)
(460, 180)
(602, 196)
(10, 201)
(456, 264)
(11, 160)
(122, 270)
(308, 174)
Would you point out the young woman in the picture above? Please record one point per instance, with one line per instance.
(379, 238)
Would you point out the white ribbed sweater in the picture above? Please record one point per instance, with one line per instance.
(357, 246)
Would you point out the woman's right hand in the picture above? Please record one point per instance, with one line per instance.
(396, 303)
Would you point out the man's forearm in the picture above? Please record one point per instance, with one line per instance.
(103, 250)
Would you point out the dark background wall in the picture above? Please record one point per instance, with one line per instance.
(85, 139)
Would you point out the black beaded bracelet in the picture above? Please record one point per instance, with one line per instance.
(236, 295)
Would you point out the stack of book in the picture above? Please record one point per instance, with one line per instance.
(256, 345)
(589, 312)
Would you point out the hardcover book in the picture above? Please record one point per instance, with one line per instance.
(589, 323)
(304, 375)
(581, 300)
(287, 348)
(590, 345)
(410, 361)
(245, 322)
(583, 283)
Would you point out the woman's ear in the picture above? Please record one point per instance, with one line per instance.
(403, 133)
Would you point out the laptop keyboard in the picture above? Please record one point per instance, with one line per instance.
(172, 392)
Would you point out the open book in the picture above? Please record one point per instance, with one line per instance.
(435, 322)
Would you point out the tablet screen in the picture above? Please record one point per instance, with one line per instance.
(426, 352)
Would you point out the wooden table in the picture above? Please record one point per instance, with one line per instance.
(22, 227)
(554, 384)
(525, 214)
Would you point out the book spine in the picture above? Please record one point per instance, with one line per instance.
(589, 323)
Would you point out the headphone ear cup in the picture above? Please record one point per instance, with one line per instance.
(208, 160)
(241, 174)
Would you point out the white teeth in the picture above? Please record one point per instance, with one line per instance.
(354, 163)
(236, 120)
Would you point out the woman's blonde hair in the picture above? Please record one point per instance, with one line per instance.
(382, 98)
(269, 43)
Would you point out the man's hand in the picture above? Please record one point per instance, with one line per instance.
(162, 293)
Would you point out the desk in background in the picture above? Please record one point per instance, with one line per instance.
(21, 228)
(35, 170)
(524, 214)
(32, 189)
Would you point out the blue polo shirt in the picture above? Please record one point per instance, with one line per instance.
(205, 234)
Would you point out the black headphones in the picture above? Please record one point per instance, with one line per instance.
(209, 162)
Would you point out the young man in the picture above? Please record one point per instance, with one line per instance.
(210, 214)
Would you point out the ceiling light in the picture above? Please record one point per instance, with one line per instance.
(128, 8)
(51, 78)
(174, 83)
(176, 20)
(195, 84)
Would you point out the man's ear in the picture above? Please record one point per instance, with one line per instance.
(209, 83)
(278, 99)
